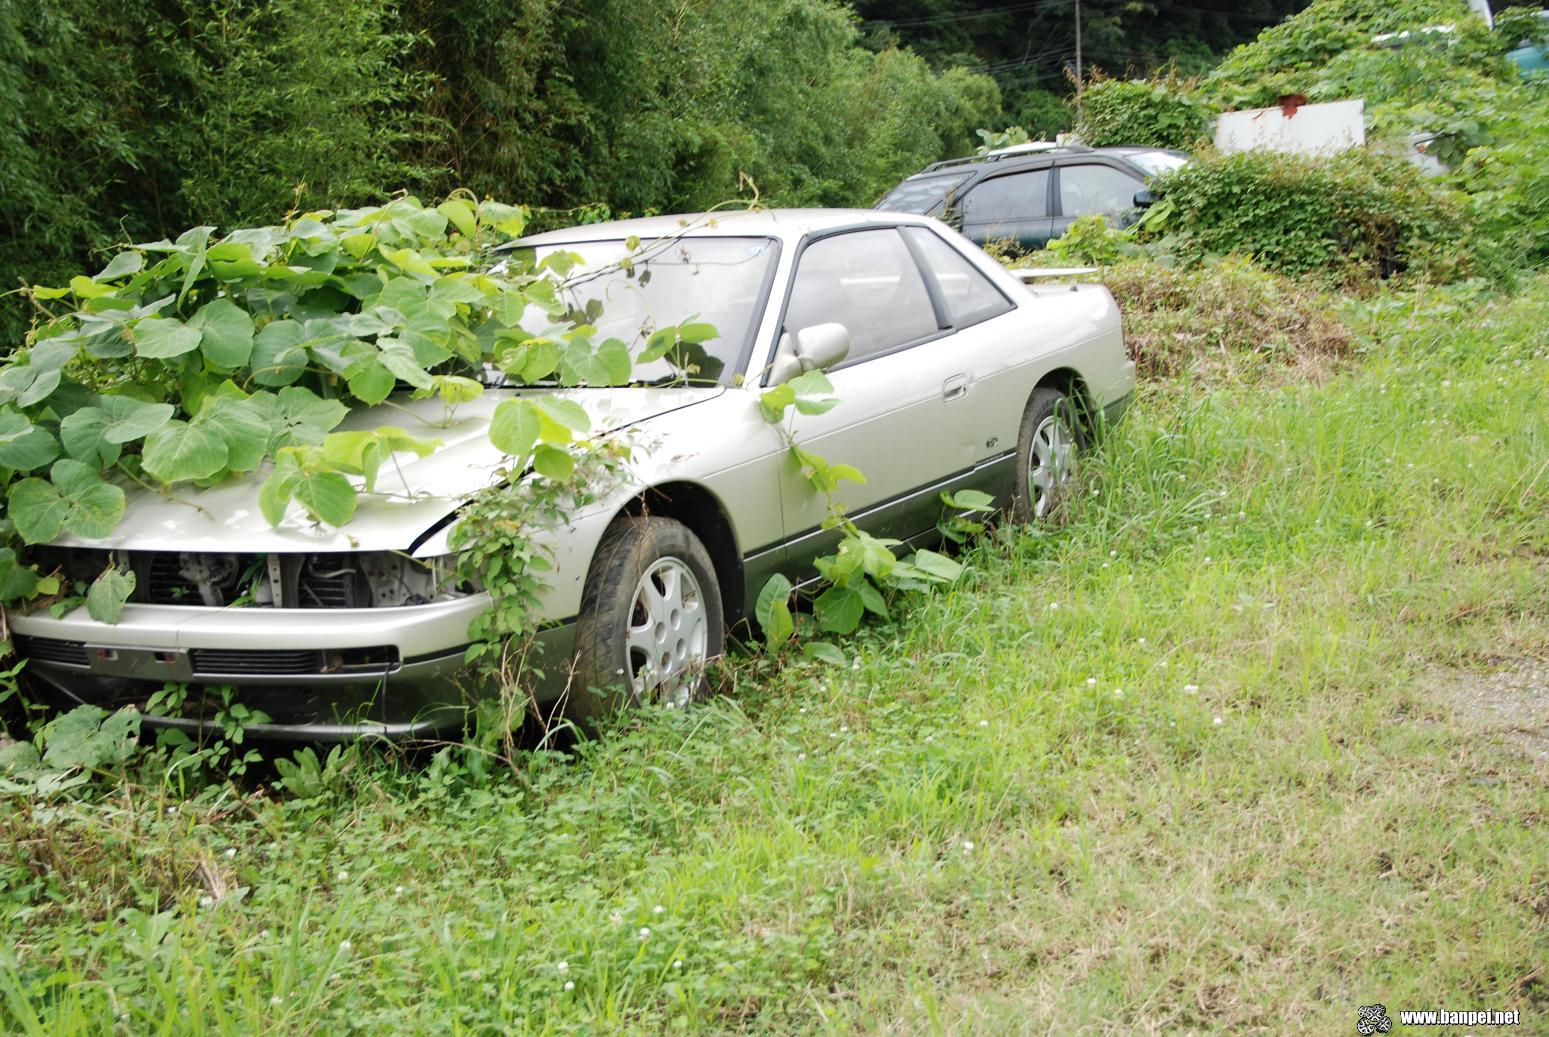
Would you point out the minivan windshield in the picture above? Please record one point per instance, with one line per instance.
(719, 281)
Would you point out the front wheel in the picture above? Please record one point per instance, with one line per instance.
(650, 621)
(1046, 454)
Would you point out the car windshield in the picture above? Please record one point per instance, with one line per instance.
(668, 281)
(922, 194)
(1154, 162)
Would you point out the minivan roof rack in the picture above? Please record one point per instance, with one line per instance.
(1036, 147)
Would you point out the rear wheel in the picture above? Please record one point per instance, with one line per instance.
(1046, 454)
(650, 621)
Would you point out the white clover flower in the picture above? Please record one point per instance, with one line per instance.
(984, 723)
(345, 945)
(397, 889)
(1140, 640)
(967, 846)
(343, 875)
(658, 910)
(563, 966)
(678, 964)
(1118, 693)
(1217, 721)
(276, 1000)
(206, 901)
(801, 756)
(1207, 559)
(616, 918)
(569, 985)
(1091, 682)
(1113, 554)
(843, 728)
(645, 932)
(231, 851)
(1191, 689)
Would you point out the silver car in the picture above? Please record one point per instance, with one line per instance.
(950, 371)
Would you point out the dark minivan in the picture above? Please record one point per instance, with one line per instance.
(1028, 194)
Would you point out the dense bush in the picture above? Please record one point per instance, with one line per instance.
(128, 122)
(1355, 214)
(1163, 113)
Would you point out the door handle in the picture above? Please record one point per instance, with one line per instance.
(955, 388)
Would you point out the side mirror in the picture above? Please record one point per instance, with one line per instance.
(813, 347)
(820, 346)
(1143, 198)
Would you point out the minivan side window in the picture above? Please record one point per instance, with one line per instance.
(969, 295)
(1096, 189)
(1007, 199)
(867, 281)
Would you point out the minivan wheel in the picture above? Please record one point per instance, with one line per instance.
(1046, 454)
(650, 620)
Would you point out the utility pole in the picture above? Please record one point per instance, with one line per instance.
(1078, 58)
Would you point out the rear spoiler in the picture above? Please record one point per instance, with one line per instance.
(1049, 273)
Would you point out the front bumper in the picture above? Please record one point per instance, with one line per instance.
(319, 674)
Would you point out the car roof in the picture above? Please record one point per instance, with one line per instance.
(788, 224)
(1013, 158)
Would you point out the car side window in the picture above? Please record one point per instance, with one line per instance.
(969, 295)
(1096, 189)
(1007, 199)
(867, 281)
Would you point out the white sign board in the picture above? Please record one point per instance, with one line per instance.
(1308, 129)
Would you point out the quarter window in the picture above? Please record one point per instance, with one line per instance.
(969, 295)
(867, 281)
(1096, 189)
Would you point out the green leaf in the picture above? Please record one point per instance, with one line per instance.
(23, 445)
(89, 738)
(81, 434)
(128, 419)
(241, 427)
(872, 598)
(37, 510)
(93, 507)
(370, 382)
(279, 357)
(823, 651)
(180, 451)
(697, 332)
(514, 427)
(327, 496)
(297, 415)
(773, 611)
(814, 393)
(566, 413)
(774, 401)
(969, 500)
(455, 389)
(936, 566)
(122, 265)
(462, 216)
(164, 337)
(839, 609)
(225, 334)
(16, 580)
(553, 462)
(108, 592)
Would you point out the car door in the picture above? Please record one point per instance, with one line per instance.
(1087, 188)
(1009, 207)
(904, 416)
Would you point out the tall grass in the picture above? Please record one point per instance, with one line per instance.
(1180, 763)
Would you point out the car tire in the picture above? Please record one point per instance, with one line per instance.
(1047, 443)
(651, 606)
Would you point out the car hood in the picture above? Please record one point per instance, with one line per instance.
(412, 493)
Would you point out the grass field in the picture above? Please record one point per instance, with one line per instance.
(1194, 761)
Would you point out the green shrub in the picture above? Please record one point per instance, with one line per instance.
(1285, 58)
(1091, 239)
(1356, 214)
(1153, 113)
